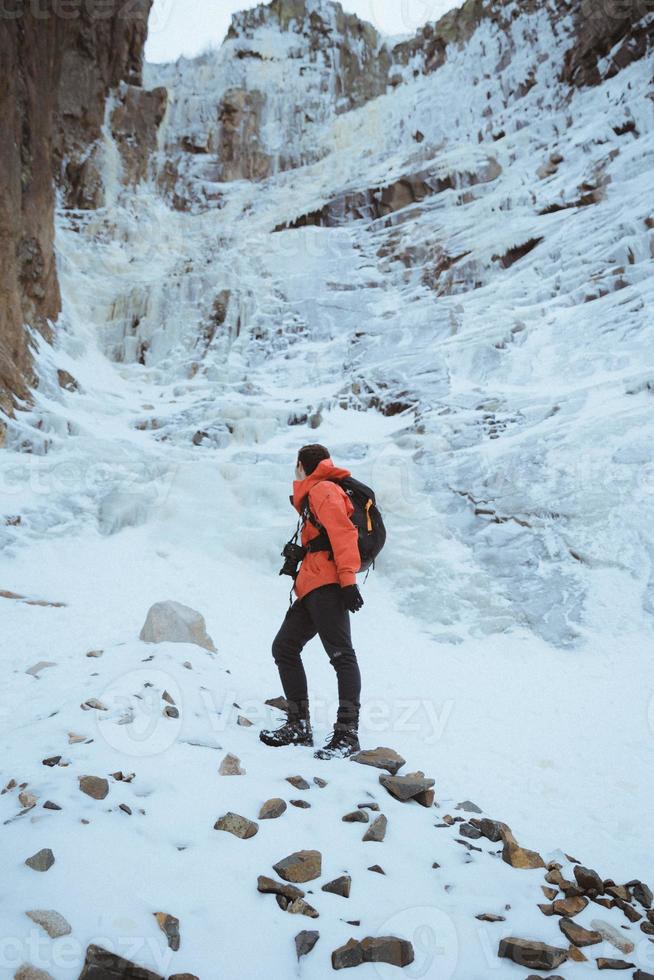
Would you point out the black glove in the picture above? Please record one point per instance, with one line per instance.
(352, 598)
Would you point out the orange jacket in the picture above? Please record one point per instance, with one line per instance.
(331, 507)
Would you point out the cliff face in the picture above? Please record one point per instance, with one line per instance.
(57, 74)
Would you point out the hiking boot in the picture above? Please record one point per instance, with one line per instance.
(344, 742)
(296, 731)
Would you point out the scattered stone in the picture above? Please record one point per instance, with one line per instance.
(357, 816)
(405, 788)
(53, 761)
(93, 703)
(239, 826)
(100, 964)
(189, 666)
(41, 861)
(122, 778)
(493, 830)
(300, 866)
(272, 809)
(231, 766)
(632, 914)
(569, 906)
(339, 886)
(641, 975)
(298, 781)
(468, 807)
(588, 880)
(382, 949)
(172, 622)
(377, 868)
(27, 972)
(605, 963)
(520, 857)
(304, 942)
(280, 703)
(95, 653)
(37, 668)
(94, 786)
(377, 829)
(535, 955)
(268, 886)
(368, 806)
(468, 830)
(49, 805)
(550, 893)
(125, 809)
(301, 804)
(74, 739)
(169, 925)
(170, 711)
(52, 922)
(320, 782)
(490, 917)
(577, 934)
(642, 893)
(620, 892)
(27, 799)
(167, 698)
(243, 722)
(300, 907)
(613, 936)
(380, 758)
(426, 798)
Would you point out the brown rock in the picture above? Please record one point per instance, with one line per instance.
(339, 886)
(300, 866)
(493, 830)
(426, 798)
(405, 788)
(268, 886)
(299, 907)
(588, 880)
(237, 825)
(377, 829)
(231, 766)
(28, 972)
(490, 917)
(577, 934)
(382, 949)
(41, 861)
(550, 893)
(534, 955)
(298, 781)
(357, 816)
(569, 906)
(605, 963)
(169, 925)
(272, 809)
(380, 758)
(520, 857)
(304, 942)
(100, 964)
(94, 786)
(320, 782)
(641, 892)
(377, 868)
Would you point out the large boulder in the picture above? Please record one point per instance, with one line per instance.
(172, 622)
(100, 964)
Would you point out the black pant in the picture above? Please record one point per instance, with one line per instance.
(321, 611)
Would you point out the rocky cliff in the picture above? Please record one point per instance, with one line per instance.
(58, 72)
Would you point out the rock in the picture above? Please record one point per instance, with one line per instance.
(300, 866)
(470, 831)
(183, 976)
(588, 880)
(620, 892)
(520, 857)
(53, 761)
(171, 622)
(612, 935)
(231, 766)
(37, 668)
(100, 964)
(301, 804)
(41, 861)
(380, 758)
(280, 703)
(49, 805)
(298, 781)
(368, 806)
(52, 922)
(641, 975)
(490, 917)
(93, 703)
(170, 711)
(169, 925)
(377, 868)
(404, 788)
(320, 782)
(382, 949)
(272, 809)
(493, 830)
(304, 942)
(632, 914)
(243, 721)
(468, 807)
(426, 798)
(605, 963)
(577, 934)
(268, 886)
(550, 893)
(239, 826)
(74, 739)
(299, 907)
(569, 906)
(377, 829)
(27, 799)
(357, 816)
(95, 653)
(94, 786)
(339, 886)
(641, 892)
(27, 972)
(531, 954)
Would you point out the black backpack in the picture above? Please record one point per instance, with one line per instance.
(366, 517)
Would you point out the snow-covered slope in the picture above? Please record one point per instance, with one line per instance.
(448, 284)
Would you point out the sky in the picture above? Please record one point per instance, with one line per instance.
(187, 27)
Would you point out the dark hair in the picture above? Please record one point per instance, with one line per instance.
(310, 456)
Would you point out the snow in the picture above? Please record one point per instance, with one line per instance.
(506, 639)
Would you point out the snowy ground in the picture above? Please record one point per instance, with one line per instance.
(506, 639)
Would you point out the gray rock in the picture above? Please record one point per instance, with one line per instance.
(94, 786)
(405, 788)
(41, 861)
(100, 964)
(299, 907)
(52, 922)
(377, 829)
(268, 886)
(37, 668)
(301, 804)
(380, 758)
(272, 809)
(468, 807)
(172, 622)
(357, 816)
(304, 942)
(231, 766)
(531, 954)
(300, 866)
(169, 925)
(612, 935)
(237, 825)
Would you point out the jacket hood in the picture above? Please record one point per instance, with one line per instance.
(325, 470)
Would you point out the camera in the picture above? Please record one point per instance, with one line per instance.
(293, 553)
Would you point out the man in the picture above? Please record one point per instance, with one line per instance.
(327, 593)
